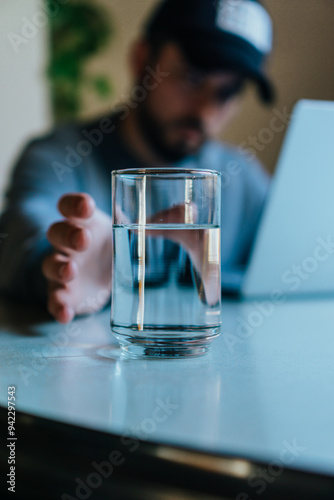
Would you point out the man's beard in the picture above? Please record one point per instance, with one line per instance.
(155, 134)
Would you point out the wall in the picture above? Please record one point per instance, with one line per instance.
(23, 97)
(302, 64)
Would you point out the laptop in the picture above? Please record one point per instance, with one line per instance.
(293, 252)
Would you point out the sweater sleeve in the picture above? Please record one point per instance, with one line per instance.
(30, 208)
(249, 200)
(245, 186)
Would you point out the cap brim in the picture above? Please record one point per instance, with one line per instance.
(208, 55)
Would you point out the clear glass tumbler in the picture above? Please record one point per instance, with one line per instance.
(166, 286)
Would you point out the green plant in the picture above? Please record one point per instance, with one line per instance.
(78, 31)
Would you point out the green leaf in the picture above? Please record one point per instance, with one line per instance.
(102, 86)
(77, 32)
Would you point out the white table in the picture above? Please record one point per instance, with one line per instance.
(265, 392)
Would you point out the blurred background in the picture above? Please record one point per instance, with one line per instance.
(67, 59)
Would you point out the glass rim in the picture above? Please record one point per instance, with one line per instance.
(164, 172)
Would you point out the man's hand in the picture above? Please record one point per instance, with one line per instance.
(79, 269)
(203, 247)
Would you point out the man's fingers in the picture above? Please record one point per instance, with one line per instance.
(59, 303)
(59, 268)
(185, 213)
(178, 215)
(68, 236)
(76, 205)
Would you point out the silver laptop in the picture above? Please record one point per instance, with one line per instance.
(294, 248)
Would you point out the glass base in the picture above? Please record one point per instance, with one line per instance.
(169, 346)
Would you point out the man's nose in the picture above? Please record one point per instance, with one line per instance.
(203, 104)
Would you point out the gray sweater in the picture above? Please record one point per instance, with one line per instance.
(80, 158)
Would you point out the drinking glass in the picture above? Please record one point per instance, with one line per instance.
(166, 286)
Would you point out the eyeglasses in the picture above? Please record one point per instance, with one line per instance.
(191, 81)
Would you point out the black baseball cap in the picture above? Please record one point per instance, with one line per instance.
(218, 34)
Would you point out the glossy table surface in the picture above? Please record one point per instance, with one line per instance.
(265, 391)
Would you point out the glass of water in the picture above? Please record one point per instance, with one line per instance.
(166, 287)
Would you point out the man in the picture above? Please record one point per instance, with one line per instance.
(189, 69)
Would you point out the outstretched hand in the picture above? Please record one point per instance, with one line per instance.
(79, 270)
